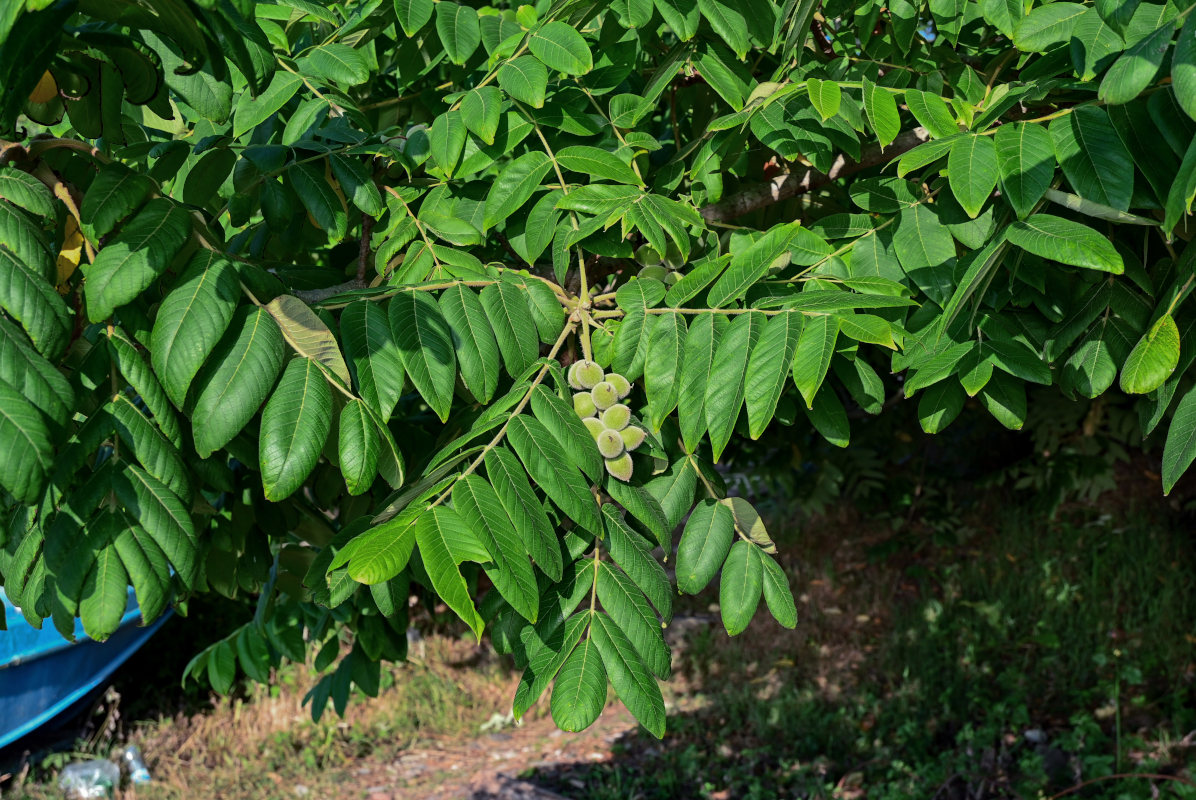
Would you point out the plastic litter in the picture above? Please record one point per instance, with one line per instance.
(135, 764)
(89, 779)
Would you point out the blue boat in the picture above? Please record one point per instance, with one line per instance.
(44, 677)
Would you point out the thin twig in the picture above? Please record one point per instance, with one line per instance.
(363, 249)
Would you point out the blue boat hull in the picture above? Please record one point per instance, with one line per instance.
(43, 676)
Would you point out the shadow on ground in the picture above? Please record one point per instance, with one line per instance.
(1029, 659)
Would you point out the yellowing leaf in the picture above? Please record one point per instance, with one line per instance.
(308, 335)
(70, 255)
(46, 89)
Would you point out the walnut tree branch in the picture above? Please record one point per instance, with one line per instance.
(791, 184)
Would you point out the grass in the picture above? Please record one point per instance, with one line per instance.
(1020, 663)
(1015, 658)
(263, 743)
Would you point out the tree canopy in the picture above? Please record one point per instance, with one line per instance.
(331, 305)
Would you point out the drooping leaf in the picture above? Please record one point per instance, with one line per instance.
(24, 436)
(939, 405)
(460, 33)
(445, 541)
(1136, 67)
(481, 110)
(525, 79)
(308, 336)
(728, 369)
(559, 479)
(473, 341)
(1183, 67)
(357, 447)
(812, 356)
(631, 554)
(480, 508)
(740, 588)
(1153, 359)
(236, 378)
(135, 258)
(425, 348)
(662, 367)
(697, 360)
(777, 593)
(626, 605)
(1093, 158)
(525, 510)
(413, 14)
(191, 321)
(580, 689)
(29, 298)
(768, 368)
(932, 112)
(322, 202)
(374, 363)
(295, 424)
(704, 545)
(631, 679)
(881, 108)
(513, 326)
(1180, 447)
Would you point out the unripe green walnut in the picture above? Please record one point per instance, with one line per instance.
(654, 272)
(621, 384)
(780, 262)
(604, 395)
(632, 437)
(646, 256)
(588, 373)
(620, 467)
(616, 417)
(571, 375)
(672, 257)
(583, 404)
(594, 426)
(610, 443)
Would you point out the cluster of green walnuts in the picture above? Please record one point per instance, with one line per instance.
(596, 401)
(660, 266)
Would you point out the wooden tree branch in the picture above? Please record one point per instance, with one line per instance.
(363, 248)
(310, 296)
(791, 184)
